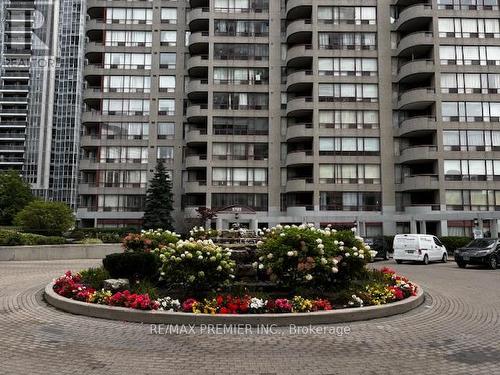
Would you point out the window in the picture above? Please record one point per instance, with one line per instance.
(126, 84)
(239, 176)
(349, 146)
(241, 101)
(137, 155)
(241, 6)
(241, 76)
(354, 41)
(347, 15)
(348, 119)
(469, 55)
(241, 28)
(125, 130)
(472, 170)
(169, 15)
(168, 38)
(166, 107)
(470, 83)
(345, 66)
(129, 16)
(128, 38)
(349, 174)
(165, 154)
(240, 151)
(471, 111)
(166, 84)
(257, 202)
(350, 201)
(127, 107)
(223, 51)
(468, 4)
(167, 60)
(240, 126)
(348, 92)
(165, 130)
(469, 28)
(127, 61)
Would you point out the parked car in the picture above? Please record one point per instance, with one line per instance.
(380, 245)
(418, 248)
(481, 251)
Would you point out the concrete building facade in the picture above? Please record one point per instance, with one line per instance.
(379, 114)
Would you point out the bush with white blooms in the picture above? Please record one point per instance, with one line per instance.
(197, 264)
(305, 256)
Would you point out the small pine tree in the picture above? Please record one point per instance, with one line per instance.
(159, 201)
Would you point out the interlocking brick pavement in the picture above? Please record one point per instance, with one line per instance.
(457, 331)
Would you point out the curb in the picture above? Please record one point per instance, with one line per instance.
(165, 317)
(58, 252)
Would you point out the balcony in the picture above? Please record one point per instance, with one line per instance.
(415, 69)
(195, 161)
(300, 184)
(299, 55)
(197, 62)
(299, 131)
(128, 188)
(197, 112)
(419, 182)
(418, 153)
(298, 8)
(411, 17)
(301, 28)
(299, 106)
(418, 98)
(195, 187)
(415, 41)
(299, 80)
(198, 41)
(299, 157)
(196, 136)
(197, 86)
(198, 15)
(417, 124)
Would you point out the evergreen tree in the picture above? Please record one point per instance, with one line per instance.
(159, 201)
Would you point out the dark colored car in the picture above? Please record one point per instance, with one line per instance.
(381, 245)
(482, 251)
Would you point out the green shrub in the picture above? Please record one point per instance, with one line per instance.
(306, 257)
(132, 266)
(15, 238)
(145, 287)
(106, 235)
(94, 277)
(196, 265)
(48, 218)
(452, 243)
(149, 240)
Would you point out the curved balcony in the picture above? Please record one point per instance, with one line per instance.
(417, 124)
(419, 182)
(299, 28)
(299, 131)
(198, 15)
(418, 98)
(411, 17)
(299, 184)
(195, 187)
(296, 8)
(299, 54)
(197, 111)
(415, 70)
(197, 87)
(199, 62)
(198, 41)
(299, 157)
(195, 136)
(299, 80)
(418, 153)
(415, 41)
(195, 161)
(299, 106)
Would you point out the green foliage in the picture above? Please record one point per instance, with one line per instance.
(132, 265)
(196, 265)
(159, 201)
(49, 218)
(149, 240)
(94, 277)
(106, 235)
(306, 257)
(452, 243)
(15, 238)
(15, 194)
(145, 287)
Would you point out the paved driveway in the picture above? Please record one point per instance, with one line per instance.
(457, 331)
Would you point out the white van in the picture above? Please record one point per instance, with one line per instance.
(418, 248)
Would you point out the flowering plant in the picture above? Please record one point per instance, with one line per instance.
(200, 233)
(149, 240)
(100, 297)
(196, 264)
(169, 304)
(298, 256)
(132, 300)
(69, 285)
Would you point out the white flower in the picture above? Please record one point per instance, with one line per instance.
(354, 248)
(367, 247)
(219, 268)
(324, 261)
(279, 227)
(335, 261)
(321, 246)
(257, 303)
(290, 253)
(335, 242)
(321, 251)
(361, 256)
(355, 253)
(270, 256)
(259, 243)
(341, 243)
(319, 240)
(254, 264)
(191, 239)
(287, 227)
(261, 266)
(200, 257)
(335, 269)
(282, 235)
(354, 229)
(347, 255)
(309, 277)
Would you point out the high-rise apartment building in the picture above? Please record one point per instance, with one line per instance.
(383, 114)
(41, 81)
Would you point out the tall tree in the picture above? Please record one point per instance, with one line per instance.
(159, 201)
(15, 194)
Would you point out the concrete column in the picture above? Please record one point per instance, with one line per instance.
(423, 229)
(254, 225)
(219, 223)
(494, 228)
(389, 228)
(413, 226)
(443, 228)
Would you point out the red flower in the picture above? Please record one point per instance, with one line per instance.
(321, 304)
(187, 305)
(387, 270)
(224, 310)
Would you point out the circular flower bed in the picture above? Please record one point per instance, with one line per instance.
(301, 269)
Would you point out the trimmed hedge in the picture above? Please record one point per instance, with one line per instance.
(106, 235)
(132, 266)
(15, 238)
(452, 243)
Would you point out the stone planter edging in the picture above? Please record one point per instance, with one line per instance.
(164, 317)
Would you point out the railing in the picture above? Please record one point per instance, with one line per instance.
(427, 34)
(428, 62)
(340, 207)
(428, 90)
